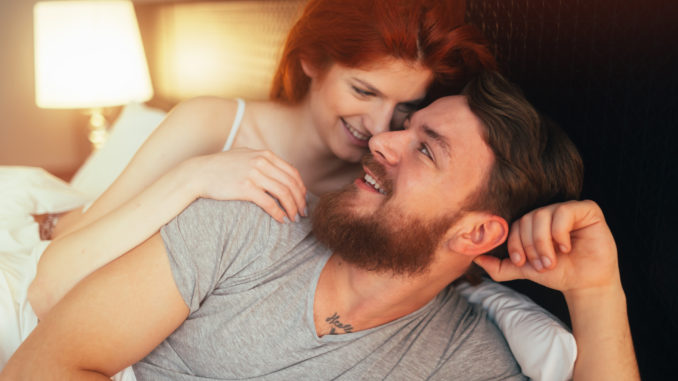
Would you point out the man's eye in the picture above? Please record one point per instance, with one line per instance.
(424, 149)
(362, 92)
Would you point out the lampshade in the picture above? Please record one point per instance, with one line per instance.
(88, 54)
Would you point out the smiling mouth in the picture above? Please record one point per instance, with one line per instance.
(374, 184)
(356, 134)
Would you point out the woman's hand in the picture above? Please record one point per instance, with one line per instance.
(258, 176)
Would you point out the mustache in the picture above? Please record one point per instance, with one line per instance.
(379, 172)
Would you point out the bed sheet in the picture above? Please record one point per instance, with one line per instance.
(26, 191)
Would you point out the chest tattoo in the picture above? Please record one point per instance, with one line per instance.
(336, 324)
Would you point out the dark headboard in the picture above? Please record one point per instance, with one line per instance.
(605, 70)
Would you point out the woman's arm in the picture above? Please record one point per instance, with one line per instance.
(194, 127)
(73, 256)
(118, 225)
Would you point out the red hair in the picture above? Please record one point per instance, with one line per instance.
(356, 33)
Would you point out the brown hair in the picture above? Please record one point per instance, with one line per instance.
(535, 163)
(355, 33)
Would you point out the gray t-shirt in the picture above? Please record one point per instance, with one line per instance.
(250, 281)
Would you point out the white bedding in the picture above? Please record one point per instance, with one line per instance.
(26, 191)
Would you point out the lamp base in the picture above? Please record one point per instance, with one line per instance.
(98, 128)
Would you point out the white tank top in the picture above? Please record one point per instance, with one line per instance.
(236, 124)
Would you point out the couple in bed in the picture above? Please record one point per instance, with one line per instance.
(226, 291)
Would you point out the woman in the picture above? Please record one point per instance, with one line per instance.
(348, 70)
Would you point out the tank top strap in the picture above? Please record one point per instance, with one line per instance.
(236, 124)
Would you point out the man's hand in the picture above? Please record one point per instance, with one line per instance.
(570, 248)
(566, 247)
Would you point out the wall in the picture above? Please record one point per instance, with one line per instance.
(225, 48)
(56, 139)
(53, 139)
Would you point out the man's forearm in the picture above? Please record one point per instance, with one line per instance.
(36, 370)
(110, 320)
(38, 360)
(601, 328)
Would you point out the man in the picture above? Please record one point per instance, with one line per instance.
(226, 292)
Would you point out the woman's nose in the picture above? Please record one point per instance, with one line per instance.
(380, 118)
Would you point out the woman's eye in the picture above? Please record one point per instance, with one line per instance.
(362, 92)
(424, 149)
(405, 108)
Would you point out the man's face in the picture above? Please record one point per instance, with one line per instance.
(415, 186)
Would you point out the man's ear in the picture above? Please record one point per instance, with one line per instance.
(310, 70)
(478, 233)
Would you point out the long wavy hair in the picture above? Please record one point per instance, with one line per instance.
(356, 33)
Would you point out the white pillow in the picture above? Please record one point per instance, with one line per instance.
(542, 345)
(130, 130)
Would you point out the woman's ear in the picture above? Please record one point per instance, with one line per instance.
(310, 70)
(478, 233)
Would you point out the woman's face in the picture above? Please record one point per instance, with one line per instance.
(349, 105)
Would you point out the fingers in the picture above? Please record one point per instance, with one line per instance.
(281, 192)
(563, 223)
(527, 242)
(268, 204)
(292, 172)
(543, 239)
(281, 181)
(515, 248)
(531, 239)
(500, 270)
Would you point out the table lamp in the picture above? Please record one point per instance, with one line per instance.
(89, 55)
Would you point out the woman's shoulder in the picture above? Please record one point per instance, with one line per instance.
(209, 116)
(214, 107)
(207, 106)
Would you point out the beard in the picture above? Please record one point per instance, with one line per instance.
(386, 241)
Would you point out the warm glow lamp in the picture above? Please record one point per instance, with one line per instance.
(89, 54)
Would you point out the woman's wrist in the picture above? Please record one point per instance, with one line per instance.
(188, 180)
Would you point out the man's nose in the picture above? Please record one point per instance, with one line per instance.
(387, 147)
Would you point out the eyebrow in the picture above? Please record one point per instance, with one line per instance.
(440, 140)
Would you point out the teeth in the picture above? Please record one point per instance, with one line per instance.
(370, 180)
(355, 133)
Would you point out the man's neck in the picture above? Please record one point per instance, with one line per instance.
(350, 299)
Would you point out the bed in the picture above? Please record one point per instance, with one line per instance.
(185, 35)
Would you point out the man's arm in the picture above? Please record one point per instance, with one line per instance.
(110, 320)
(587, 272)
